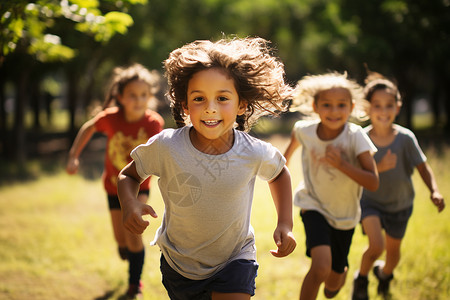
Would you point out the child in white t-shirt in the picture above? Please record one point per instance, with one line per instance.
(337, 162)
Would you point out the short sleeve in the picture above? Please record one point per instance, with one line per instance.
(146, 158)
(101, 122)
(362, 142)
(272, 162)
(413, 150)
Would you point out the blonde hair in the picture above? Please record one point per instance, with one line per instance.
(309, 87)
(257, 74)
(124, 75)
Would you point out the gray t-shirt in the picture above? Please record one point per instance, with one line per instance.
(207, 198)
(396, 191)
(324, 188)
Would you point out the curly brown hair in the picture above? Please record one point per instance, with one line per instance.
(258, 76)
(124, 75)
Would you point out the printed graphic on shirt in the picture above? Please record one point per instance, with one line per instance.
(185, 189)
(120, 146)
(213, 167)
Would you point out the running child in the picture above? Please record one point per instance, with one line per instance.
(337, 162)
(208, 166)
(127, 122)
(386, 211)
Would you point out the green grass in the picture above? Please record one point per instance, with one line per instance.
(56, 242)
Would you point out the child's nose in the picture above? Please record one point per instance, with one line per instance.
(211, 107)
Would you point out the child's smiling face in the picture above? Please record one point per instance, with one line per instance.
(383, 109)
(212, 104)
(334, 107)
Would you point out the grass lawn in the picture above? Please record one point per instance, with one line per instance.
(56, 242)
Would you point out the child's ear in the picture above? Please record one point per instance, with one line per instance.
(119, 99)
(242, 108)
(399, 106)
(185, 109)
(314, 105)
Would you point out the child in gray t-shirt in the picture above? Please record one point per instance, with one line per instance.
(207, 169)
(390, 206)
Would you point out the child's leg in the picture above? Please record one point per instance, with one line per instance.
(372, 227)
(136, 251)
(395, 226)
(119, 232)
(318, 272)
(341, 241)
(335, 281)
(134, 242)
(392, 254)
(116, 220)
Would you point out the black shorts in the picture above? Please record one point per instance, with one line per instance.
(318, 232)
(237, 277)
(114, 203)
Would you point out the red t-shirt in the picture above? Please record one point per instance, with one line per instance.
(123, 137)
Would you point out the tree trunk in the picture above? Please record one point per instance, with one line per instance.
(35, 97)
(72, 96)
(4, 146)
(19, 143)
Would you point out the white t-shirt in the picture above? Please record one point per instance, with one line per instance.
(208, 198)
(324, 188)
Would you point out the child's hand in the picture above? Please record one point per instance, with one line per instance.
(132, 216)
(438, 200)
(333, 156)
(285, 241)
(72, 165)
(388, 162)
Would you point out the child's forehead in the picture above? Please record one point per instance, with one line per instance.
(334, 93)
(384, 94)
(136, 83)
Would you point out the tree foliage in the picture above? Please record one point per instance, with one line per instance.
(37, 34)
(84, 39)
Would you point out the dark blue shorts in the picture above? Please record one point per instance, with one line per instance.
(318, 233)
(114, 203)
(394, 224)
(237, 277)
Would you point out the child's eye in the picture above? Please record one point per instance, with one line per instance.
(222, 98)
(197, 99)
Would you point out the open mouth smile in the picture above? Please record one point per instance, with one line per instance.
(211, 122)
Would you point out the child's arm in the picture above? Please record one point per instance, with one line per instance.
(132, 209)
(428, 178)
(83, 136)
(281, 191)
(293, 145)
(366, 176)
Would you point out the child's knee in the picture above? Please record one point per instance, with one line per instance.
(320, 271)
(375, 250)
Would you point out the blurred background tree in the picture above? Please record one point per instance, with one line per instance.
(59, 54)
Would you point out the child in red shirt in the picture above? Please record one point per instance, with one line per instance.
(126, 125)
